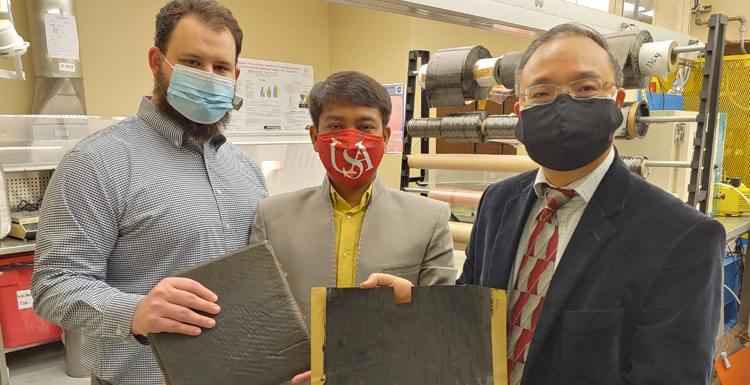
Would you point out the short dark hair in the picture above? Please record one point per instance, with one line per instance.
(564, 30)
(350, 87)
(210, 12)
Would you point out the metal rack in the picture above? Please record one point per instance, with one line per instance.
(416, 58)
(700, 176)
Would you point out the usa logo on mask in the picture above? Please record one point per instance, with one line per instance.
(350, 156)
(357, 167)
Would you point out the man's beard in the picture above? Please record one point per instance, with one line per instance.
(198, 131)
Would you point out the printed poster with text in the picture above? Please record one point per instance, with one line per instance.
(276, 97)
(398, 97)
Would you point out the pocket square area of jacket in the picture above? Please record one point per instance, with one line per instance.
(260, 336)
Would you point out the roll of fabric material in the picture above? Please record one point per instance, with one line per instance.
(658, 58)
(450, 80)
(463, 127)
(468, 198)
(500, 127)
(508, 64)
(460, 231)
(422, 75)
(637, 164)
(424, 127)
(627, 46)
(486, 73)
(466, 127)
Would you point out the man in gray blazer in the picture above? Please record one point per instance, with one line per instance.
(352, 225)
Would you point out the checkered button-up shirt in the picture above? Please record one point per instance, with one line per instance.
(126, 208)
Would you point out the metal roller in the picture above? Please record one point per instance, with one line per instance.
(669, 163)
(500, 127)
(628, 46)
(487, 72)
(463, 127)
(689, 48)
(668, 119)
(631, 127)
(424, 127)
(449, 78)
(637, 164)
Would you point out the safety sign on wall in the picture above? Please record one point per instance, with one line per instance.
(397, 93)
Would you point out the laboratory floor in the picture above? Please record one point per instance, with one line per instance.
(41, 365)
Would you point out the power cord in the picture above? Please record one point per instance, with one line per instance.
(24, 205)
(733, 294)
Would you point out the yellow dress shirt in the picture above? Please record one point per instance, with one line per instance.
(347, 224)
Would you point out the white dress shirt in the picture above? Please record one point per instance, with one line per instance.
(568, 215)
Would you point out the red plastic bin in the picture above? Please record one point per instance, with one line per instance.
(21, 327)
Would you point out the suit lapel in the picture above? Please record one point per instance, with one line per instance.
(378, 190)
(327, 248)
(583, 248)
(592, 232)
(515, 212)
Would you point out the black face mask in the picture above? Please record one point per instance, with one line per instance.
(568, 134)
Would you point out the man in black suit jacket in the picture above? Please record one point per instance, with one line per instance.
(633, 294)
(636, 294)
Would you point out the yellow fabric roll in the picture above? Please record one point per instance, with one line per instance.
(461, 231)
(456, 197)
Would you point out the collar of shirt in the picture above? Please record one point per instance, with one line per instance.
(341, 205)
(167, 127)
(584, 187)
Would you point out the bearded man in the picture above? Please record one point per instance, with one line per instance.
(157, 192)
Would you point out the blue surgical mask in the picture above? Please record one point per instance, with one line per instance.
(200, 96)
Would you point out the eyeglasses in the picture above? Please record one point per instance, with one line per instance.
(581, 89)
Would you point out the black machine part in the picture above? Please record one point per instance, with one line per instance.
(630, 128)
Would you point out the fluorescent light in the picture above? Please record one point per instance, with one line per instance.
(599, 5)
(270, 165)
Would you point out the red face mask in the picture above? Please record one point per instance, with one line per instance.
(350, 156)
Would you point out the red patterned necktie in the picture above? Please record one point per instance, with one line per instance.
(534, 276)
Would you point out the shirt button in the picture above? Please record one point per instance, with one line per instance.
(227, 226)
(218, 192)
(349, 216)
(118, 332)
(176, 143)
(346, 255)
